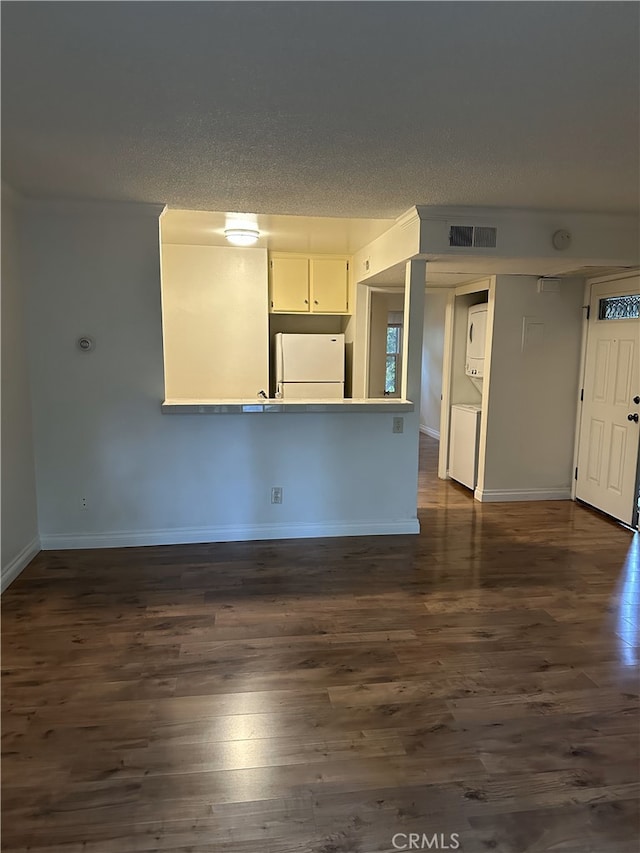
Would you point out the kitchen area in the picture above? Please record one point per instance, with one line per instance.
(265, 351)
(251, 329)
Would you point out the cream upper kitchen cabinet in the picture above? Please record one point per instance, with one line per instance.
(289, 284)
(308, 284)
(329, 280)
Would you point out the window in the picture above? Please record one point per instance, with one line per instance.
(619, 307)
(394, 349)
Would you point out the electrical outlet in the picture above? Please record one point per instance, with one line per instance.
(398, 425)
(276, 495)
(83, 505)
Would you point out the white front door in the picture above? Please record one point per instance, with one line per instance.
(609, 431)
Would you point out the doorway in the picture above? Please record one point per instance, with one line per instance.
(608, 446)
(385, 343)
(459, 386)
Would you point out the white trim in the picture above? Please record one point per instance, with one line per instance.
(620, 276)
(244, 533)
(584, 337)
(486, 383)
(496, 495)
(478, 285)
(434, 433)
(409, 216)
(11, 571)
(365, 305)
(411, 363)
(445, 396)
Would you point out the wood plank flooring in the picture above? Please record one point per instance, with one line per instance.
(477, 683)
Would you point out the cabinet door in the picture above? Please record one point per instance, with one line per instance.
(329, 285)
(289, 285)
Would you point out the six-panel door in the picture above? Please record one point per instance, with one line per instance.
(608, 449)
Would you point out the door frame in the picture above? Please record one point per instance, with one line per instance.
(479, 285)
(589, 283)
(371, 291)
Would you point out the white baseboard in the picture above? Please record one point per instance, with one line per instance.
(11, 571)
(434, 433)
(255, 532)
(496, 495)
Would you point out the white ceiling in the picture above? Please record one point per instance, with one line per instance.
(277, 233)
(324, 109)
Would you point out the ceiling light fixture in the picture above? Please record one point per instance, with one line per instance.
(242, 236)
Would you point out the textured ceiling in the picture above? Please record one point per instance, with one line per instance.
(324, 109)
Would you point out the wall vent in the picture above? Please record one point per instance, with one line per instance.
(461, 235)
(468, 236)
(485, 238)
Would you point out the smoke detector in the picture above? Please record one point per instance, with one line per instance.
(561, 239)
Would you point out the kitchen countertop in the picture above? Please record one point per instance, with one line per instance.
(272, 406)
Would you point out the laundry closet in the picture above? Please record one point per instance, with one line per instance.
(510, 389)
(467, 377)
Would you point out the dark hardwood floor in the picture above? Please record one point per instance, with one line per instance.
(477, 683)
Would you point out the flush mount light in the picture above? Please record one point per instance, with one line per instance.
(242, 236)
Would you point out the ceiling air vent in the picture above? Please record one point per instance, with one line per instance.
(466, 236)
(461, 235)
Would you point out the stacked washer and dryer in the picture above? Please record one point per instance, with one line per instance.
(465, 417)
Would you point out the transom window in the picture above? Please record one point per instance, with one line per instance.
(619, 307)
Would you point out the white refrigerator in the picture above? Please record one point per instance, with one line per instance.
(309, 367)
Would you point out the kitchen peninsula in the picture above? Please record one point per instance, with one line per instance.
(269, 407)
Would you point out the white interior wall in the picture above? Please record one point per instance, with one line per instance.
(152, 478)
(412, 323)
(435, 302)
(19, 515)
(359, 331)
(348, 327)
(530, 398)
(395, 302)
(215, 321)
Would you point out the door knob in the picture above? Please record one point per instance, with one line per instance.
(633, 417)
(636, 399)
